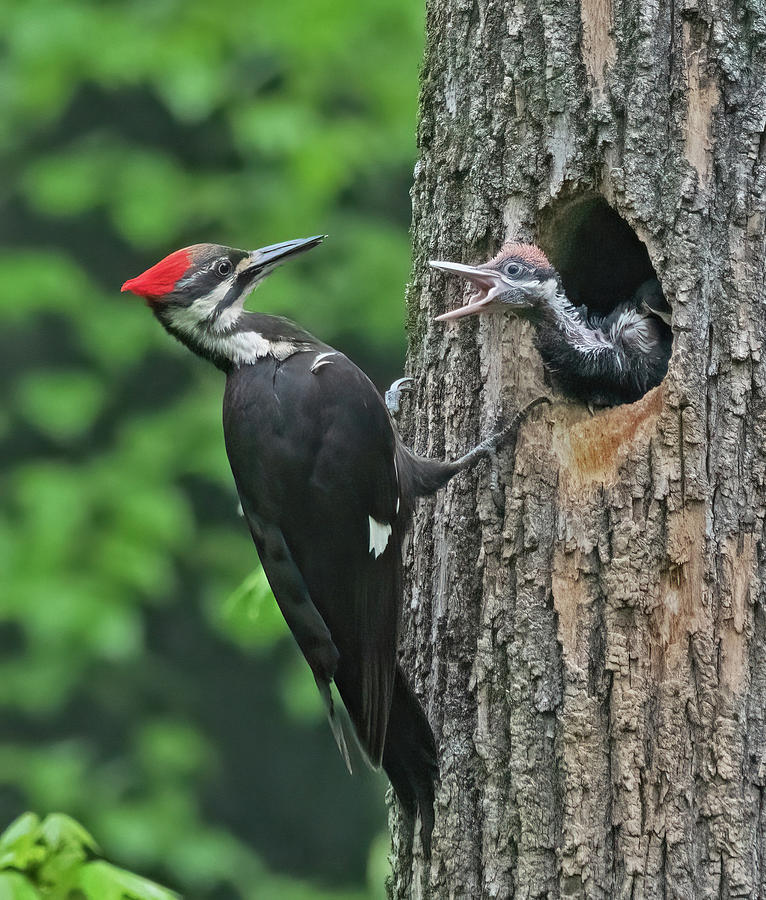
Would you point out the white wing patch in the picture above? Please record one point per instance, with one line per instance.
(322, 359)
(380, 532)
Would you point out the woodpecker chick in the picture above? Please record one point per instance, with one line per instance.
(327, 489)
(603, 360)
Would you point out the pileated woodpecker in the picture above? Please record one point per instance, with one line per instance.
(327, 489)
(604, 360)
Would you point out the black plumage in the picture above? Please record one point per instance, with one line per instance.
(313, 457)
(620, 371)
(601, 359)
(327, 489)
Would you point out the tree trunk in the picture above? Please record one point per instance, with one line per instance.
(585, 623)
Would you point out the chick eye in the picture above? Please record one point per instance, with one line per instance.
(513, 269)
(223, 268)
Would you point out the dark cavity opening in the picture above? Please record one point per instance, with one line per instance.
(598, 255)
(607, 274)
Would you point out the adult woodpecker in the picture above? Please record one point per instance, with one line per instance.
(327, 489)
(604, 360)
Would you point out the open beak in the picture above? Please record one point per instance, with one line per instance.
(489, 284)
(263, 260)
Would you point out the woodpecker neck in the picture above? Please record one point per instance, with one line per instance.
(238, 339)
(564, 325)
(603, 359)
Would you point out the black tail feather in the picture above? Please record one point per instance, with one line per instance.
(409, 757)
(421, 477)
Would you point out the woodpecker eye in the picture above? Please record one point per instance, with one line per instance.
(513, 269)
(223, 268)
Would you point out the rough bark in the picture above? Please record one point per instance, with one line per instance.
(589, 635)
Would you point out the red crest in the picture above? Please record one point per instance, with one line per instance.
(162, 277)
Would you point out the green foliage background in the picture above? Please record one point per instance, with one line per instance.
(147, 684)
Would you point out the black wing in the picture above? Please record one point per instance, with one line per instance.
(313, 451)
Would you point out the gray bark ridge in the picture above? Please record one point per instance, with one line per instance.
(591, 644)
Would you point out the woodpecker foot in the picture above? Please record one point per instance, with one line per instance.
(394, 393)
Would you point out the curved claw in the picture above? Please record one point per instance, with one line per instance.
(394, 393)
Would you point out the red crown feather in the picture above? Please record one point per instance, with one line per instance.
(162, 277)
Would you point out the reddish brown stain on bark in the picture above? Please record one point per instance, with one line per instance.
(591, 450)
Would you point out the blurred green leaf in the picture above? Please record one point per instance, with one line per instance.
(168, 749)
(59, 285)
(61, 404)
(250, 614)
(50, 855)
(14, 886)
(103, 881)
(299, 692)
(18, 843)
(26, 826)
(59, 830)
(59, 873)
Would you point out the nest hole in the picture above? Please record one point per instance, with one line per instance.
(600, 258)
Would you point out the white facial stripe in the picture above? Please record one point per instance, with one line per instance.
(380, 532)
(241, 347)
(322, 359)
(188, 317)
(217, 334)
(203, 310)
(228, 317)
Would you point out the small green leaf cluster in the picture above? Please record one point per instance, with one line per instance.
(53, 859)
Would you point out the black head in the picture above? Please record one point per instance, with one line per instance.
(207, 284)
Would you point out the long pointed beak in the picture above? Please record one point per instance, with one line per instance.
(267, 258)
(469, 272)
(489, 285)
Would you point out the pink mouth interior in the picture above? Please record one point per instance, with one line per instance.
(482, 294)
